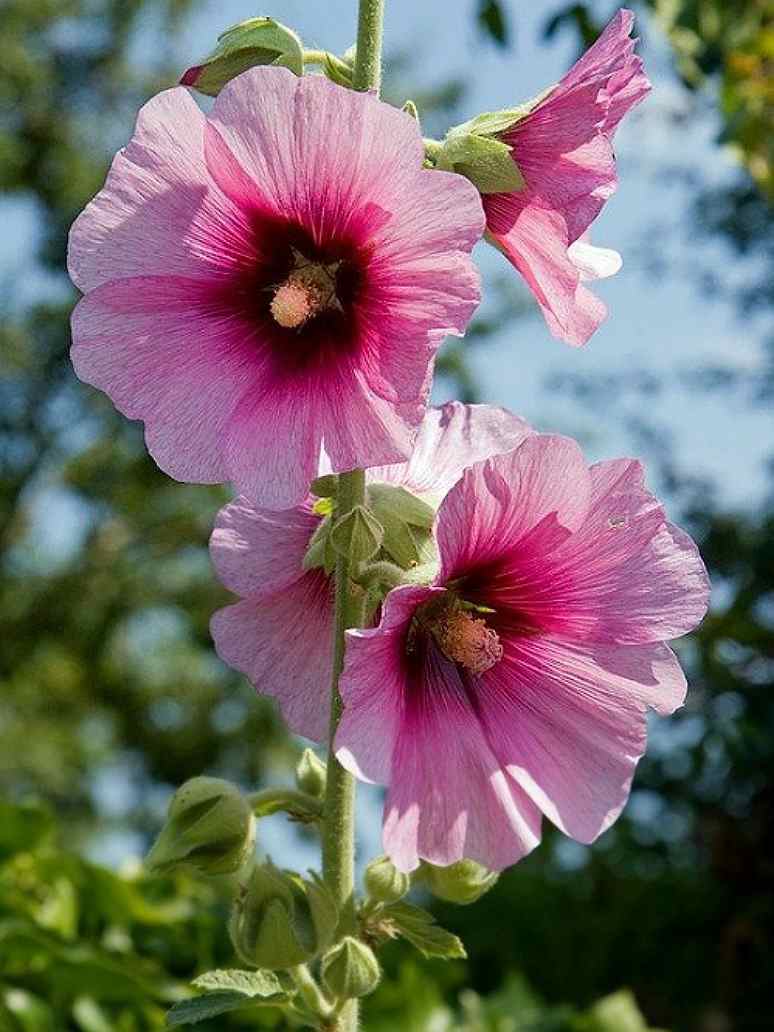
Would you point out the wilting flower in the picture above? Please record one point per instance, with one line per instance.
(280, 633)
(266, 286)
(517, 684)
(563, 149)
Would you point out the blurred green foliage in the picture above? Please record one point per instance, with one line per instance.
(84, 948)
(108, 678)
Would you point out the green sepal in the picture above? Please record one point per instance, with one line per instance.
(357, 535)
(320, 553)
(488, 163)
(407, 522)
(337, 69)
(256, 41)
(494, 123)
(463, 882)
(299, 806)
(420, 929)
(384, 883)
(410, 108)
(326, 486)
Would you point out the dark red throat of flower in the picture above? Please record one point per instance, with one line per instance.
(463, 637)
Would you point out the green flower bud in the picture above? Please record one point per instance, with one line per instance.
(210, 827)
(257, 41)
(407, 522)
(281, 919)
(357, 535)
(384, 882)
(311, 774)
(463, 882)
(350, 969)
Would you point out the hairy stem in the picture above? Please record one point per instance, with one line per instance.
(368, 57)
(338, 831)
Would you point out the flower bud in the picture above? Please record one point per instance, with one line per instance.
(357, 535)
(257, 41)
(350, 969)
(463, 882)
(281, 919)
(407, 522)
(311, 774)
(384, 882)
(210, 827)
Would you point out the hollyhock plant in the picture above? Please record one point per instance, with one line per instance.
(563, 150)
(517, 684)
(280, 633)
(266, 286)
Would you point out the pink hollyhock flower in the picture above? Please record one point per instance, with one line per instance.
(266, 286)
(563, 149)
(517, 684)
(280, 634)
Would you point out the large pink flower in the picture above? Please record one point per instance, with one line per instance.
(266, 286)
(564, 151)
(280, 633)
(517, 685)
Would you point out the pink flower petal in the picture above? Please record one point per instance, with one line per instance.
(448, 799)
(127, 335)
(283, 655)
(450, 439)
(258, 552)
(537, 245)
(497, 503)
(567, 721)
(157, 214)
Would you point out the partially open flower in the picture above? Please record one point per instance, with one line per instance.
(266, 286)
(518, 683)
(562, 146)
(280, 632)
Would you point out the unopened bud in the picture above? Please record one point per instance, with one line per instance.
(350, 969)
(210, 827)
(281, 919)
(384, 882)
(463, 882)
(311, 774)
(257, 41)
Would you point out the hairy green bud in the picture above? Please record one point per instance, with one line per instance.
(281, 920)
(311, 774)
(210, 828)
(350, 969)
(257, 41)
(463, 882)
(384, 882)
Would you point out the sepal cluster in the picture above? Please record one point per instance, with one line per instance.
(256, 41)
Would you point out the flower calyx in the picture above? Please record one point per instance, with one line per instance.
(311, 774)
(384, 883)
(256, 41)
(210, 828)
(281, 920)
(350, 969)
(463, 882)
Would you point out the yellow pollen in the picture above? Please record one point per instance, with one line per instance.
(309, 289)
(468, 640)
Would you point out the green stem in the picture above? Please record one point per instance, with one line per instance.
(338, 828)
(368, 57)
(316, 57)
(310, 992)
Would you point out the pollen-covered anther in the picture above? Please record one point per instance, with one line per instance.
(309, 289)
(468, 640)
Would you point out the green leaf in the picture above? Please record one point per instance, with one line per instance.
(491, 21)
(249, 983)
(421, 930)
(23, 828)
(226, 991)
